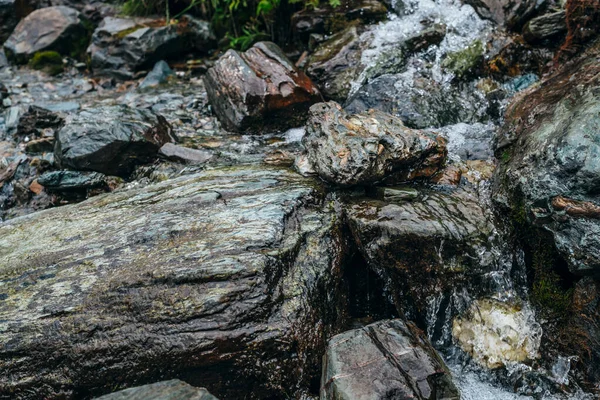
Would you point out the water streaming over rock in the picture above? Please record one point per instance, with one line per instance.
(499, 327)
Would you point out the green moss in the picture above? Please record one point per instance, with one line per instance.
(548, 293)
(50, 62)
(505, 157)
(464, 61)
(125, 32)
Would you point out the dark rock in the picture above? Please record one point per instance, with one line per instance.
(367, 148)
(545, 27)
(336, 63)
(184, 154)
(11, 12)
(583, 25)
(422, 103)
(550, 171)
(385, 360)
(48, 29)
(159, 74)
(36, 120)
(45, 144)
(230, 279)
(511, 14)
(167, 390)
(511, 56)
(69, 180)
(326, 19)
(121, 47)
(111, 140)
(424, 246)
(270, 92)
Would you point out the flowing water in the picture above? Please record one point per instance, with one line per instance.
(503, 285)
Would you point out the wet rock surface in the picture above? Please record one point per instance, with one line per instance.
(226, 287)
(167, 390)
(271, 94)
(121, 47)
(424, 244)
(366, 148)
(111, 140)
(335, 63)
(551, 166)
(509, 13)
(387, 359)
(56, 29)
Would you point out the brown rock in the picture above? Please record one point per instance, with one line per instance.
(259, 90)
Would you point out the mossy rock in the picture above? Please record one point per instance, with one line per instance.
(464, 61)
(50, 62)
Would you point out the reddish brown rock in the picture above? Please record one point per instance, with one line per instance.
(259, 90)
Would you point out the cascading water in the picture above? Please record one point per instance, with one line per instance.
(503, 329)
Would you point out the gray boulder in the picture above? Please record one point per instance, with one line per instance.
(229, 279)
(269, 93)
(48, 29)
(111, 140)
(385, 360)
(366, 148)
(166, 390)
(121, 47)
(549, 176)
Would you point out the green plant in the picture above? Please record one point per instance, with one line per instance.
(241, 23)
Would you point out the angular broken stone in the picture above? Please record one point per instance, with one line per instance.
(111, 140)
(56, 28)
(121, 47)
(386, 360)
(259, 90)
(367, 148)
(69, 180)
(206, 271)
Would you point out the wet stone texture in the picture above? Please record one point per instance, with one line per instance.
(111, 140)
(270, 92)
(422, 243)
(167, 390)
(366, 148)
(225, 279)
(389, 359)
(121, 47)
(550, 174)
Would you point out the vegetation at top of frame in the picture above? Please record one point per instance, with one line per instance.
(240, 23)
